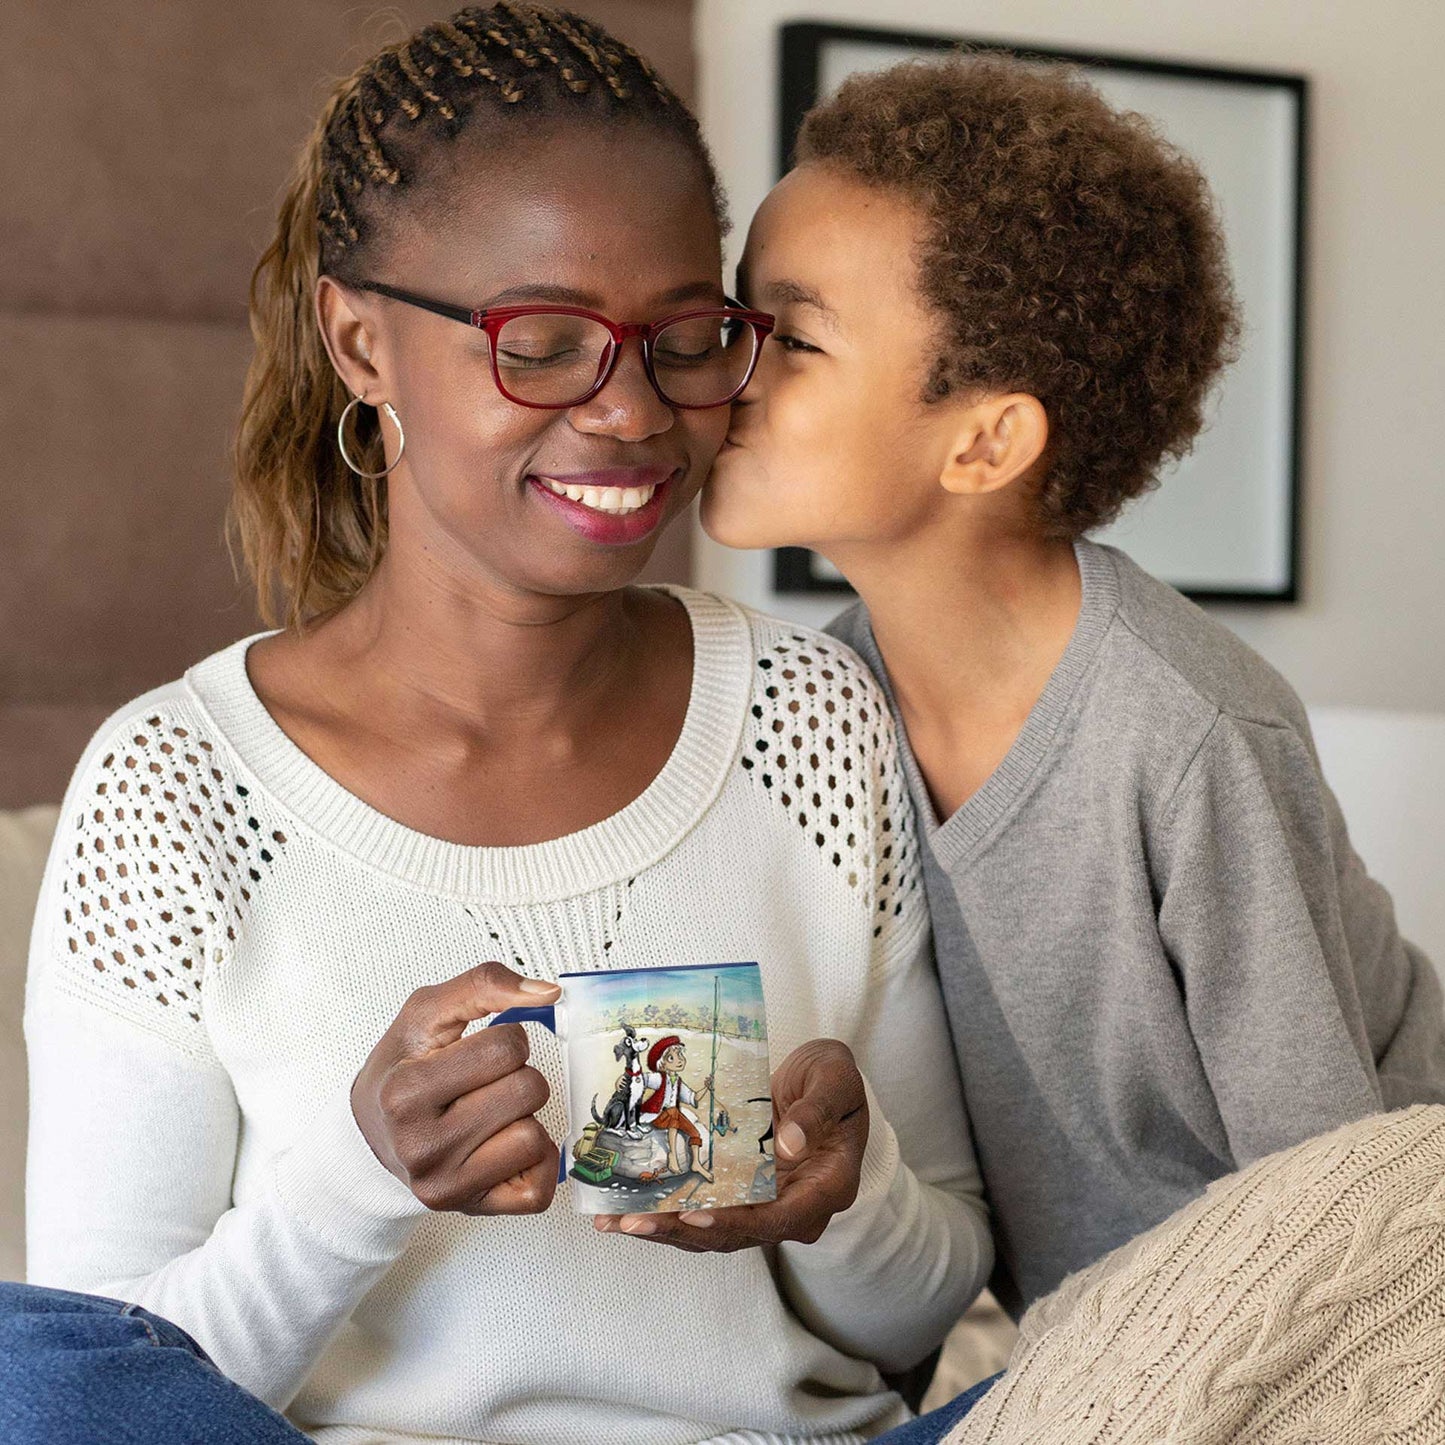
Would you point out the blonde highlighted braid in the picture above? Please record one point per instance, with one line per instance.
(310, 530)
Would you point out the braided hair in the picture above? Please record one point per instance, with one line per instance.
(311, 531)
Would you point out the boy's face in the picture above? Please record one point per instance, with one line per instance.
(673, 1059)
(832, 447)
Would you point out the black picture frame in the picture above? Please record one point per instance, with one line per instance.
(801, 59)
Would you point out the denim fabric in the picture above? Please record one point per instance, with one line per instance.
(79, 1370)
(929, 1429)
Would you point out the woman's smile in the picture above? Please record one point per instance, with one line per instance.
(614, 507)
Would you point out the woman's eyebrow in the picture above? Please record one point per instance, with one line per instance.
(778, 292)
(550, 294)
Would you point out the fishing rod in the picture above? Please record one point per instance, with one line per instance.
(712, 1074)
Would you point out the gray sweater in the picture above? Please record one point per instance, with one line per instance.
(1160, 956)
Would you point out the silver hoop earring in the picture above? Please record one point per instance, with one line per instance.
(390, 410)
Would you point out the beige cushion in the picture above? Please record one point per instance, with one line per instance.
(24, 843)
(1299, 1300)
(978, 1346)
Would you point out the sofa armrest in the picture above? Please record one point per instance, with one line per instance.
(24, 843)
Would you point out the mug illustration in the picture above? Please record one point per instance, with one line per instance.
(667, 1084)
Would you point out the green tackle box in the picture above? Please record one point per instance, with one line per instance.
(596, 1167)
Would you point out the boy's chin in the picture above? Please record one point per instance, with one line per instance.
(740, 528)
(727, 523)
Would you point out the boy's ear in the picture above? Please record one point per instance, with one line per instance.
(997, 441)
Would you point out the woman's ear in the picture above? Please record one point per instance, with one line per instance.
(348, 338)
(996, 442)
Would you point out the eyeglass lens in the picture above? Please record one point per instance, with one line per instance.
(554, 360)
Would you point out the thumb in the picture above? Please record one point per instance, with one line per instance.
(438, 1014)
(816, 1090)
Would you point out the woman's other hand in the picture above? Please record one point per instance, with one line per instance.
(455, 1119)
(821, 1115)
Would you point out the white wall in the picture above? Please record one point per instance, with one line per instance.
(1388, 771)
(1370, 629)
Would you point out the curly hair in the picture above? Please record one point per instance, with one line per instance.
(311, 531)
(1068, 251)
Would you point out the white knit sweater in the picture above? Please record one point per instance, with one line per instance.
(223, 934)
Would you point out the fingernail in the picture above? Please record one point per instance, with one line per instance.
(535, 985)
(638, 1226)
(791, 1139)
(698, 1218)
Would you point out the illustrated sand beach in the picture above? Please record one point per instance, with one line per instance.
(738, 1125)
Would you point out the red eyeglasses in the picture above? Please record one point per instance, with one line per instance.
(554, 357)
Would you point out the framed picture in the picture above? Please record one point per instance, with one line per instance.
(1224, 525)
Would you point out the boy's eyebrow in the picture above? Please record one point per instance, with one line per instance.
(784, 290)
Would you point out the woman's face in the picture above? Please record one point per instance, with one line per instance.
(614, 219)
(831, 446)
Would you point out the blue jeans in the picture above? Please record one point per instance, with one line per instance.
(929, 1429)
(79, 1370)
(76, 1369)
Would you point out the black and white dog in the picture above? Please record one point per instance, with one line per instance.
(622, 1107)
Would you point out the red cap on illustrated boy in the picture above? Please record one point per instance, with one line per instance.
(655, 1053)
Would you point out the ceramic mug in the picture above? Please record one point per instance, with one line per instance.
(667, 1087)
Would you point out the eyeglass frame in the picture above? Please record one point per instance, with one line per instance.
(491, 320)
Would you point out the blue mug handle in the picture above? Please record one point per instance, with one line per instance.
(546, 1015)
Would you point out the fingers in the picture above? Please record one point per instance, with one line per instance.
(437, 1014)
(512, 1172)
(414, 1092)
(474, 1061)
(800, 1216)
(528, 1193)
(809, 1195)
(448, 1139)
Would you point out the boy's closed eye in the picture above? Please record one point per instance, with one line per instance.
(794, 344)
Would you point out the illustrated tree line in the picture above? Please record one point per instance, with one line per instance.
(696, 1020)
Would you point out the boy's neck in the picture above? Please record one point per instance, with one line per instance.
(970, 634)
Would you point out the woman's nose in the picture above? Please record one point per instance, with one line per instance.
(628, 407)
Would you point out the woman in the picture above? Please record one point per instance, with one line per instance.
(287, 885)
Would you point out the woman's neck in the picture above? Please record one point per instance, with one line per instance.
(489, 659)
(971, 630)
(480, 714)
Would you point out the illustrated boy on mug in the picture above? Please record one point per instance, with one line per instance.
(666, 1107)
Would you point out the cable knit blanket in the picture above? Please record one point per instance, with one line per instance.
(1300, 1301)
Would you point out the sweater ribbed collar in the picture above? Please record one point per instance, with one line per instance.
(611, 851)
(954, 839)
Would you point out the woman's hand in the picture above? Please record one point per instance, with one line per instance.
(821, 1114)
(455, 1118)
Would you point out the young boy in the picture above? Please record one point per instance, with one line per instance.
(1000, 308)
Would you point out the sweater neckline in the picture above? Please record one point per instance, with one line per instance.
(956, 836)
(610, 851)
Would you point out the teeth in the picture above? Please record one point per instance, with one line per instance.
(615, 500)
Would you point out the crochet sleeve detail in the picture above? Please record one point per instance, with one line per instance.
(153, 870)
(819, 741)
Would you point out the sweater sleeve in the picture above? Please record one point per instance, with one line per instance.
(1308, 1008)
(891, 1275)
(135, 1126)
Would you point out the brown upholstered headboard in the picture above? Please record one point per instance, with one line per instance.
(148, 144)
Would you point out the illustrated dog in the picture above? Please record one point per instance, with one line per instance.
(622, 1107)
